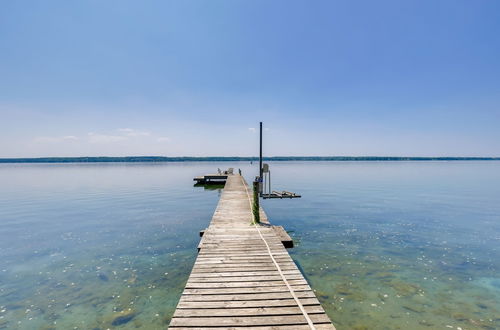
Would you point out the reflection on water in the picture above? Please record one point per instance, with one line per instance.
(389, 245)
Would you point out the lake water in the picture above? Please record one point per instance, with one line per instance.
(385, 245)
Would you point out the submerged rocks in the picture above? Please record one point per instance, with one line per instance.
(3, 324)
(351, 291)
(414, 308)
(382, 297)
(119, 318)
(461, 317)
(344, 289)
(132, 279)
(403, 288)
(384, 276)
(426, 323)
(360, 327)
(321, 295)
(103, 277)
(482, 306)
(123, 317)
(48, 327)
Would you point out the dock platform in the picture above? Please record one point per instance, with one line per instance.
(219, 178)
(280, 195)
(243, 276)
(211, 179)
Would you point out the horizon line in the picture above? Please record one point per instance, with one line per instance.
(131, 159)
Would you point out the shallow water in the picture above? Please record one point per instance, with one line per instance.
(386, 245)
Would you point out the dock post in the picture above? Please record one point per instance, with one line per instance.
(260, 153)
(255, 205)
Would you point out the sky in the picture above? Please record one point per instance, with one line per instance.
(194, 78)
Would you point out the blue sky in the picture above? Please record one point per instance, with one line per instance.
(396, 78)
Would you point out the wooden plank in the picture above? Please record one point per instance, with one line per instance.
(261, 278)
(248, 296)
(239, 269)
(322, 326)
(247, 303)
(214, 259)
(242, 258)
(247, 321)
(242, 251)
(275, 288)
(238, 253)
(243, 264)
(264, 311)
(245, 273)
(286, 240)
(203, 285)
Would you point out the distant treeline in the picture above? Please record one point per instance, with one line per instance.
(132, 159)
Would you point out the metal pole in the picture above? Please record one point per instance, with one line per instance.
(264, 183)
(269, 182)
(260, 155)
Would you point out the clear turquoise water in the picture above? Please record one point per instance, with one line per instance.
(386, 245)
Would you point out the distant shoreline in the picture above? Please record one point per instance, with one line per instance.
(135, 159)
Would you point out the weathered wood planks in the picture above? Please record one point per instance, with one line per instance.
(235, 283)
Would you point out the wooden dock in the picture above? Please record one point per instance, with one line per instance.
(243, 276)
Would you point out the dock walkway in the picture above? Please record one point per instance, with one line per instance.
(244, 277)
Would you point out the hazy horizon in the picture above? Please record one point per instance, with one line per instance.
(278, 158)
(391, 78)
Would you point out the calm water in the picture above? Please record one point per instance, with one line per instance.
(386, 245)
